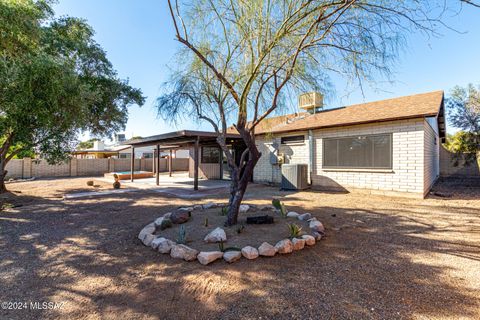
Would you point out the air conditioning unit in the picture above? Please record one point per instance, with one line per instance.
(310, 101)
(294, 176)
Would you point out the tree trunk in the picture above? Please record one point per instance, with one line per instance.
(3, 174)
(240, 180)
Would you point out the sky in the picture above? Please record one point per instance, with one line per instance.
(138, 37)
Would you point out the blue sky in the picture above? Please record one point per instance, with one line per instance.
(139, 39)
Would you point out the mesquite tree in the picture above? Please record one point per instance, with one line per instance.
(55, 82)
(241, 60)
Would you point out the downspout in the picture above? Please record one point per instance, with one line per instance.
(310, 155)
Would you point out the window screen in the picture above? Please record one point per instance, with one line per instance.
(210, 155)
(361, 152)
(292, 139)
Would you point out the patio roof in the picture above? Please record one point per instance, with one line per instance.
(180, 138)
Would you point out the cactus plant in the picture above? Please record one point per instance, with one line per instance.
(182, 235)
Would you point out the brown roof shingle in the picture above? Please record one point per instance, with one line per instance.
(407, 107)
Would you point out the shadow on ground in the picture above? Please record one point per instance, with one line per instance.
(382, 260)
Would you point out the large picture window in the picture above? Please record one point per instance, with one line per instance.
(358, 152)
(210, 155)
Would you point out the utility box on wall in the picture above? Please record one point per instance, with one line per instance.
(294, 176)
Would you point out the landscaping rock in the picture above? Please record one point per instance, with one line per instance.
(165, 245)
(298, 244)
(181, 251)
(284, 246)
(217, 235)
(267, 208)
(292, 214)
(309, 240)
(147, 240)
(209, 205)
(266, 250)
(167, 215)
(158, 221)
(243, 208)
(205, 257)
(304, 217)
(179, 217)
(313, 219)
(148, 229)
(197, 207)
(188, 209)
(156, 242)
(250, 252)
(317, 236)
(317, 226)
(232, 256)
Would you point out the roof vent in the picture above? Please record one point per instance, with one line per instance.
(311, 101)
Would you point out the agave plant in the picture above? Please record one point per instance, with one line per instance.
(295, 230)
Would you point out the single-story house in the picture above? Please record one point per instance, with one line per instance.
(390, 146)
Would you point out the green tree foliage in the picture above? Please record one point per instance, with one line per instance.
(463, 107)
(86, 144)
(55, 82)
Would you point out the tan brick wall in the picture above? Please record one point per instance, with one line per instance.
(15, 168)
(41, 168)
(462, 169)
(407, 174)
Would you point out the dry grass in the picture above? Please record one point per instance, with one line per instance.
(383, 258)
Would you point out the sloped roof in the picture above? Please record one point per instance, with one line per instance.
(407, 107)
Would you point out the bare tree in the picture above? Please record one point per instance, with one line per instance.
(242, 59)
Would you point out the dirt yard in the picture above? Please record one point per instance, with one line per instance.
(383, 258)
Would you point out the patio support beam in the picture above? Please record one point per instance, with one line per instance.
(157, 176)
(132, 163)
(154, 161)
(220, 162)
(170, 164)
(195, 163)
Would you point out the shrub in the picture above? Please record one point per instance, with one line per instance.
(90, 183)
(224, 211)
(277, 204)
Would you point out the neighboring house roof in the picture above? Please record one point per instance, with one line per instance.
(407, 107)
(114, 149)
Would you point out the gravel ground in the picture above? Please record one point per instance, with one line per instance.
(383, 258)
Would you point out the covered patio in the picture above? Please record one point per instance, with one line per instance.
(200, 143)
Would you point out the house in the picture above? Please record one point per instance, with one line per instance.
(389, 146)
(99, 151)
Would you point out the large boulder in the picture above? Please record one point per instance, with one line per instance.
(206, 257)
(163, 245)
(181, 251)
(309, 240)
(217, 235)
(304, 217)
(250, 252)
(266, 250)
(148, 229)
(298, 244)
(284, 246)
(232, 256)
(317, 226)
(292, 214)
(243, 208)
(180, 216)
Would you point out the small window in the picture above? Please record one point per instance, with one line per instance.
(292, 139)
(359, 152)
(210, 155)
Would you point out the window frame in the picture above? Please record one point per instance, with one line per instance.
(202, 157)
(347, 168)
(294, 141)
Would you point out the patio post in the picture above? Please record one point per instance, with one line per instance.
(132, 163)
(158, 165)
(154, 161)
(170, 163)
(220, 162)
(195, 164)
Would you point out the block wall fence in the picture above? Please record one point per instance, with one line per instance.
(27, 168)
